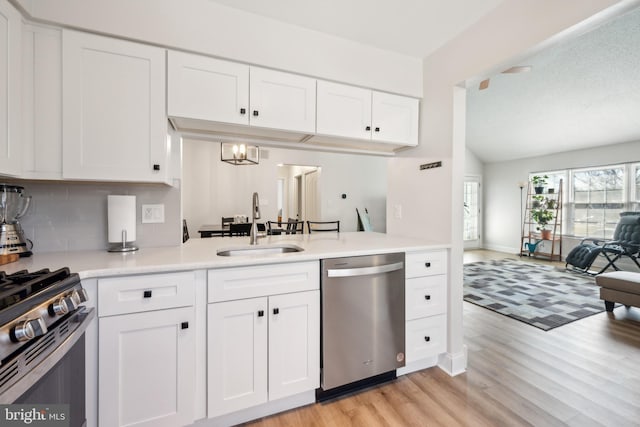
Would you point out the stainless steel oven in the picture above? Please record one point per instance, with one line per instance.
(42, 348)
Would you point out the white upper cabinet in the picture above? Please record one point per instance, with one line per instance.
(394, 119)
(343, 110)
(114, 120)
(10, 84)
(282, 100)
(204, 88)
(41, 102)
(351, 112)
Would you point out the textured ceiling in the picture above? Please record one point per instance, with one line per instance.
(412, 27)
(580, 93)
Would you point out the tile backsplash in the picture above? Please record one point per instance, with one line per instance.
(72, 216)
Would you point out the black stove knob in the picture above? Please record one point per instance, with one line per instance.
(27, 330)
(62, 306)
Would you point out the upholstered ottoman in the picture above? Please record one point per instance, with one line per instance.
(619, 286)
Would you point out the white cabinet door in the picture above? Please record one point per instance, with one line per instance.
(237, 355)
(114, 120)
(395, 119)
(10, 84)
(146, 369)
(343, 110)
(41, 102)
(282, 100)
(294, 343)
(207, 89)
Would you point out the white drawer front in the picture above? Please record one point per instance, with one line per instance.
(255, 281)
(426, 337)
(428, 263)
(425, 296)
(132, 294)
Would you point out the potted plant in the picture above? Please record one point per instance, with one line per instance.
(537, 200)
(539, 182)
(542, 217)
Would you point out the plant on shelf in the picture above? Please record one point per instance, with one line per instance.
(542, 217)
(539, 182)
(537, 201)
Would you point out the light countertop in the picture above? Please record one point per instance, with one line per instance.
(198, 254)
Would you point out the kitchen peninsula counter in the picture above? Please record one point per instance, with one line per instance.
(198, 254)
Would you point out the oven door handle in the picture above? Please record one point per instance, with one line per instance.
(16, 390)
(364, 271)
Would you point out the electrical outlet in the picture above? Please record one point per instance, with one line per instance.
(397, 211)
(153, 214)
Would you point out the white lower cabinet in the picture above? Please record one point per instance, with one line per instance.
(262, 349)
(147, 341)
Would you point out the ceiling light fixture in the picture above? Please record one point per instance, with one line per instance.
(240, 154)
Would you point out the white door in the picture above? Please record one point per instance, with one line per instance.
(472, 212)
(10, 105)
(282, 100)
(294, 343)
(146, 369)
(114, 113)
(343, 110)
(394, 119)
(311, 196)
(207, 89)
(237, 355)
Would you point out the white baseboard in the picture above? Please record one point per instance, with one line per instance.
(500, 248)
(454, 363)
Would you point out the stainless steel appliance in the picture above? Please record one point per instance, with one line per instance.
(363, 321)
(13, 205)
(42, 324)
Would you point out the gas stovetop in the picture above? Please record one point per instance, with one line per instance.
(32, 302)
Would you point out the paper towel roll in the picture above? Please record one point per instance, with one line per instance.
(121, 215)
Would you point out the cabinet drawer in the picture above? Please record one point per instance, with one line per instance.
(426, 337)
(249, 282)
(426, 296)
(121, 295)
(426, 263)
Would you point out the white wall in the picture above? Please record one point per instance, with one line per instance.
(472, 164)
(502, 194)
(210, 28)
(509, 31)
(212, 188)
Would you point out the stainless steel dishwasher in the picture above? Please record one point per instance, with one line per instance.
(363, 321)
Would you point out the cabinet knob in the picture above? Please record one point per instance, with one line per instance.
(260, 313)
(184, 325)
(367, 128)
(427, 339)
(255, 113)
(156, 167)
(147, 294)
(243, 111)
(427, 264)
(276, 310)
(377, 129)
(427, 297)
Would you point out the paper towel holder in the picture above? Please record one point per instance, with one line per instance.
(122, 246)
(121, 219)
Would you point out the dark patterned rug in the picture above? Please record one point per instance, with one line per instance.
(539, 295)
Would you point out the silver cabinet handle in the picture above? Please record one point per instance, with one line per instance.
(363, 271)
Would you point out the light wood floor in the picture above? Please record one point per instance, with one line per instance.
(586, 373)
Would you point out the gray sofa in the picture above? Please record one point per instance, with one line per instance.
(619, 287)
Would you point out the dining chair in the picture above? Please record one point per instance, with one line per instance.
(320, 226)
(274, 228)
(240, 229)
(294, 226)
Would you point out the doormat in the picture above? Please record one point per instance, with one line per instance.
(539, 295)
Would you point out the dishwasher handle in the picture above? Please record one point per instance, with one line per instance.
(364, 271)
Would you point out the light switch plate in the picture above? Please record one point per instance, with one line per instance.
(153, 214)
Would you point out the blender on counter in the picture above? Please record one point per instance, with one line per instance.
(13, 205)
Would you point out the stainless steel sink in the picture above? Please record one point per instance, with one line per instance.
(259, 250)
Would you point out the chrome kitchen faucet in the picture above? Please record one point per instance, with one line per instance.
(253, 235)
